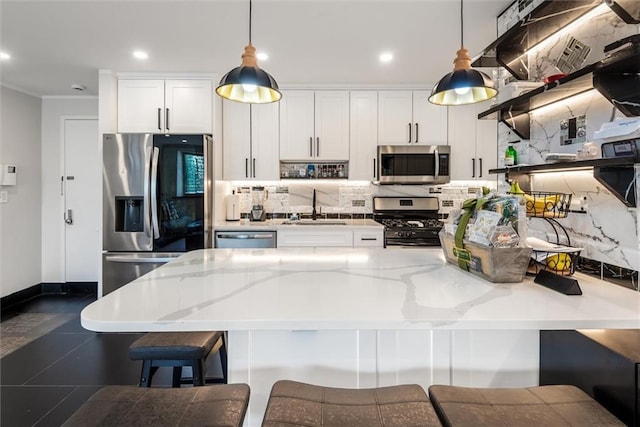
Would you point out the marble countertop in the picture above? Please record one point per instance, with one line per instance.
(346, 288)
(281, 224)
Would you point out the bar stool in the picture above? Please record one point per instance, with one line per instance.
(295, 404)
(552, 405)
(220, 405)
(177, 350)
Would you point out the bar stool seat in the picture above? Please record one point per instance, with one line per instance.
(123, 406)
(553, 405)
(177, 350)
(294, 403)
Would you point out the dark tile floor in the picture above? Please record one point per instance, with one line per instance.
(46, 379)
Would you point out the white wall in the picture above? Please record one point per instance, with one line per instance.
(20, 226)
(53, 109)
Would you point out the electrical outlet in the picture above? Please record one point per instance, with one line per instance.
(4, 197)
(579, 203)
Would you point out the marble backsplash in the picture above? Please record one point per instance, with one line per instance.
(351, 198)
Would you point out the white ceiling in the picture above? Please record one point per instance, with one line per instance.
(54, 44)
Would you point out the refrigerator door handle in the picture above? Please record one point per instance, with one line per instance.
(154, 192)
(147, 199)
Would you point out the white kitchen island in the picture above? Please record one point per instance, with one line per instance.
(358, 317)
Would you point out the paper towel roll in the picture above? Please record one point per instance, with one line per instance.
(232, 202)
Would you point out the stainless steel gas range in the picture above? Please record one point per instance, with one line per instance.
(408, 221)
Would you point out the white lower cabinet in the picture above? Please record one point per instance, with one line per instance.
(315, 238)
(369, 358)
(330, 238)
(368, 238)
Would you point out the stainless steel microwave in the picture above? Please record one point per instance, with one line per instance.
(413, 164)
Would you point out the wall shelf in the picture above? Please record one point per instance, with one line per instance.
(616, 174)
(515, 112)
(550, 16)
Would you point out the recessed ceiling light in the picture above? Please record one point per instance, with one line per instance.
(386, 57)
(140, 54)
(262, 56)
(4, 55)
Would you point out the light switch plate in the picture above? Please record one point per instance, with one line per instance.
(4, 197)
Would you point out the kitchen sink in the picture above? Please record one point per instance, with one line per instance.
(315, 222)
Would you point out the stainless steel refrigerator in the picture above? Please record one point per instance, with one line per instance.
(157, 193)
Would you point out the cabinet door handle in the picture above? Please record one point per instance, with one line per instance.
(318, 146)
(310, 146)
(254, 167)
(246, 167)
(480, 159)
(374, 167)
(409, 133)
(159, 118)
(416, 133)
(166, 118)
(473, 168)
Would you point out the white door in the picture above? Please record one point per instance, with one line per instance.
(363, 143)
(141, 106)
(188, 106)
(429, 120)
(297, 125)
(82, 200)
(264, 141)
(236, 140)
(395, 117)
(332, 125)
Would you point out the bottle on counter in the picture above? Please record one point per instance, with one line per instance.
(510, 156)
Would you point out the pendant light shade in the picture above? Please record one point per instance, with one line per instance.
(463, 85)
(249, 83)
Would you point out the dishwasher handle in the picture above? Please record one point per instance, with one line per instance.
(245, 236)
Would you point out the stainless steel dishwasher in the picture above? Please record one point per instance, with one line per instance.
(245, 239)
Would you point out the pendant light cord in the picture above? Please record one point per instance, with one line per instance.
(461, 24)
(249, 21)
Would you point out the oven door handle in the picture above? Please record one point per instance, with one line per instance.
(437, 165)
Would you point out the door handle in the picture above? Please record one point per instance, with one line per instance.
(480, 159)
(310, 146)
(409, 133)
(416, 133)
(68, 217)
(318, 146)
(246, 167)
(254, 167)
(154, 193)
(159, 114)
(473, 168)
(374, 167)
(166, 118)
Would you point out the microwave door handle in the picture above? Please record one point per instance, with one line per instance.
(147, 196)
(154, 193)
(436, 169)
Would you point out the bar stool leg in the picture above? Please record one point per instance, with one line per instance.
(198, 372)
(145, 374)
(223, 360)
(177, 376)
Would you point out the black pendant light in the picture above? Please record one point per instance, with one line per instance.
(248, 82)
(463, 85)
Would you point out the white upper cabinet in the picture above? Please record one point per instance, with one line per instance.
(169, 106)
(250, 141)
(473, 143)
(314, 125)
(407, 117)
(363, 145)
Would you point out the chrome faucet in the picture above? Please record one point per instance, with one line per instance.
(314, 214)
